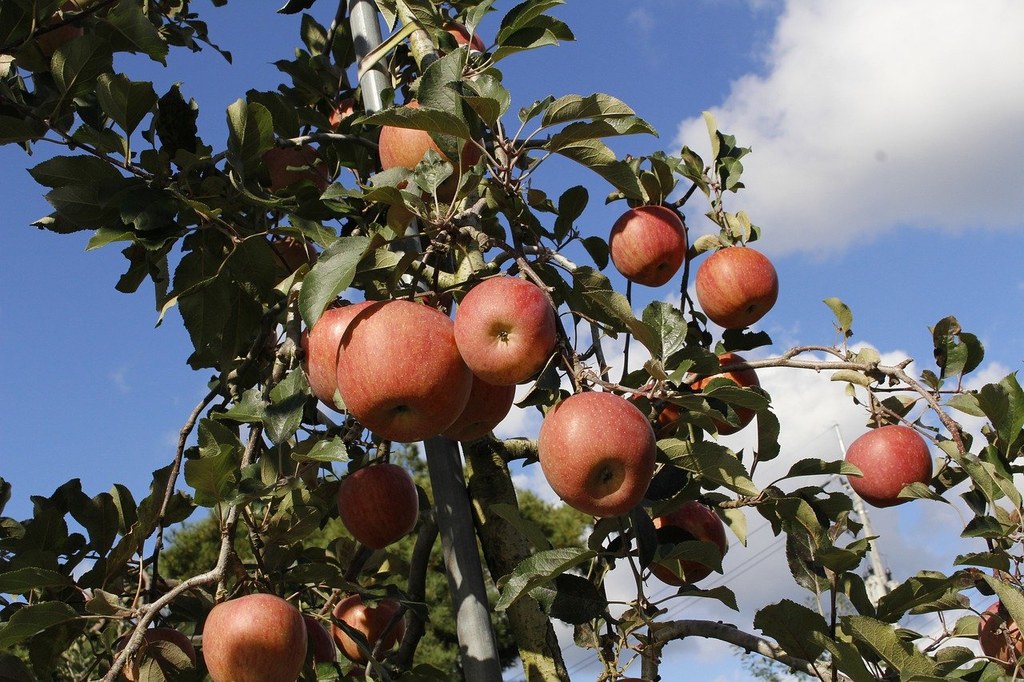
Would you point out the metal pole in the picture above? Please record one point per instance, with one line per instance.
(477, 643)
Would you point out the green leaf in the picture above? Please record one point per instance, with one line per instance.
(593, 130)
(430, 120)
(1003, 404)
(598, 157)
(128, 29)
(570, 208)
(1010, 596)
(77, 65)
(250, 409)
(591, 107)
(711, 462)
(570, 598)
(287, 399)
(668, 324)
(844, 316)
(324, 450)
(522, 14)
(62, 171)
(333, 273)
(538, 569)
(817, 467)
(956, 351)
(24, 580)
(596, 288)
(886, 643)
(214, 474)
(250, 134)
(30, 620)
(790, 624)
(126, 102)
(597, 248)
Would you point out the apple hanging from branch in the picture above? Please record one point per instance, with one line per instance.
(378, 504)
(889, 457)
(254, 638)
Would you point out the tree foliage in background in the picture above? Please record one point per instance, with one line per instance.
(202, 223)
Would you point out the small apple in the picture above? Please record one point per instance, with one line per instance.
(742, 378)
(999, 636)
(890, 457)
(342, 110)
(132, 668)
(321, 345)
(255, 638)
(648, 244)
(378, 504)
(400, 373)
(690, 521)
(319, 640)
(505, 329)
(405, 147)
(293, 252)
(50, 40)
(462, 36)
(371, 622)
(287, 166)
(736, 286)
(488, 405)
(597, 452)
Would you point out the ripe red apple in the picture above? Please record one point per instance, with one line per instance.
(378, 504)
(736, 286)
(400, 373)
(321, 345)
(742, 378)
(505, 329)
(255, 638)
(597, 452)
(370, 621)
(648, 244)
(460, 33)
(405, 147)
(999, 636)
(890, 458)
(319, 641)
(131, 670)
(488, 405)
(691, 521)
(287, 166)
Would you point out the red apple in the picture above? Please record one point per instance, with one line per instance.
(255, 638)
(890, 457)
(370, 621)
(400, 373)
(648, 244)
(597, 452)
(736, 286)
(505, 329)
(692, 521)
(405, 147)
(342, 110)
(742, 378)
(319, 640)
(461, 34)
(999, 636)
(287, 166)
(378, 504)
(132, 668)
(321, 345)
(488, 405)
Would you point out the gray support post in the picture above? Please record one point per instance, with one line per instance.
(451, 499)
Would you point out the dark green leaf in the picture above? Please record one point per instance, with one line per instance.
(712, 462)
(250, 134)
(126, 102)
(570, 598)
(886, 643)
(24, 580)
(284, 414)
(333, 273)
(1003, 404)
(790, 624)
(598, 157)
(538, 569)
(30, 620)
(669, 324)
(128, 29)
(78, 64)
(326, 450)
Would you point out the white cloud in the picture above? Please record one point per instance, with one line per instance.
(877, 114)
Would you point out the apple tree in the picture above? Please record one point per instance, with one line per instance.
(390, 191)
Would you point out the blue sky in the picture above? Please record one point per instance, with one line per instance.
(886, 170)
